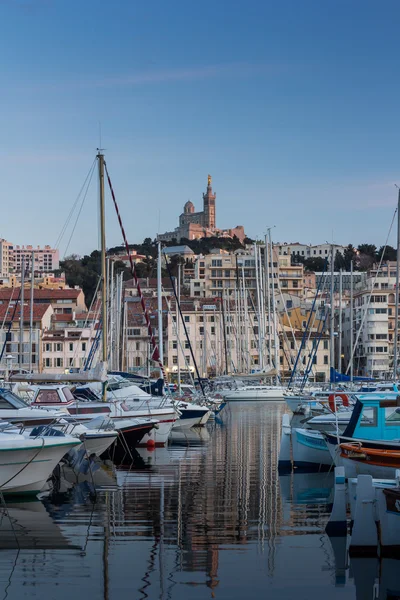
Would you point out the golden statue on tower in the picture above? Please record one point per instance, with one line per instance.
(209, 180)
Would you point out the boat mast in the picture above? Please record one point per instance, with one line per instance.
(340, 321)
(396, 310)
(268, 295)
(159, 309)
(260, 339)
(104, 333)
(178, 329)
(351, 322)
(276, 338)
(21, 319)
(31, 314)
(332, 342)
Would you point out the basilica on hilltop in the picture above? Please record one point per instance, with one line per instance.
(194, 225)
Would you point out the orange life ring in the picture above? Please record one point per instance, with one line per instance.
(343, 397)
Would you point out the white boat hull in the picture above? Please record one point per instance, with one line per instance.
(253, 394)
(97, 444)
(309, 449)
(26, 469)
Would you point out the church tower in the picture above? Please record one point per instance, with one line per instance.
(209, 206)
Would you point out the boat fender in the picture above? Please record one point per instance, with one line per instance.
(150, 444)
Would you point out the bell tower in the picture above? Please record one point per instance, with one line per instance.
(209, 206)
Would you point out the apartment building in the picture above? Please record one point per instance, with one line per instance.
(221, 272)
(6, 259)
(46, 259)
(374, 323)
(305, 251)
(65, 348)
(67, 300)
(10, 333)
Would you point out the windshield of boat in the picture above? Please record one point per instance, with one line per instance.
(9, 400)
(67, 394)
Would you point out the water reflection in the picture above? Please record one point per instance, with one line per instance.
(206, 517)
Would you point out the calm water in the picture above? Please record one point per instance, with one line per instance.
(207, 517)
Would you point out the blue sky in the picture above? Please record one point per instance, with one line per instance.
(292, 106)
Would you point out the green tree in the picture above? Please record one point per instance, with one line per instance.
(316, 263)
(350, 254)
(368, 250)
(389, 253)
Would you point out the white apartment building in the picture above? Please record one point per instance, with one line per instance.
(373, 327)
(6, 259)
(307, 250)
(46, 260)
(221, 273)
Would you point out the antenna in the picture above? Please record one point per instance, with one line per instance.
(99, 135)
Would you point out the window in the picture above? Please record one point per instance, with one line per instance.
(187, 319)
(201, 330)
(295, 284)
(380, 311)
(197, 284)
(58, 347)
(59, 362)
(174, 360)
(369, 417)
(174, 345)
(71, 362)
(325, 344)
(392, 416)
(212, 330)
(137, 361)
(48, 347)
(48, 397)
(227, 273)
(47, 363)
(187, 358)
(71, 346)
(289, 304)
(216, 263)
(326, 360)
(137, 345)
(381, 336)
(83, 346)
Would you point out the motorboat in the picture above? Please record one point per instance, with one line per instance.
(83, 404)
(27, 461)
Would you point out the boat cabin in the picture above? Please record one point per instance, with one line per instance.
(375, 419)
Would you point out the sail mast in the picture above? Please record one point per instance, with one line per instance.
(100, 158)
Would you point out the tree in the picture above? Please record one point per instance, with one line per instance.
(389, 253)
(368, 250)
(339, 262)
(316, 263)
(350, 254)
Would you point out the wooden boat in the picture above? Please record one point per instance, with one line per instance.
(377, 462)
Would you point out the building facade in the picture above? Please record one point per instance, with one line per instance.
(46, 259)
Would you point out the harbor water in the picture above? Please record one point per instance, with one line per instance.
(206, 517)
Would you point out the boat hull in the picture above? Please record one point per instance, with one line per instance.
(253, 394)
(25, 470)
(309, 450)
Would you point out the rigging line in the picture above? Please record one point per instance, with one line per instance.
(11, 322)
(80, 209)
(87, 316)
(66, 223)
(8, 308)
(369, 298)
(156, 353)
